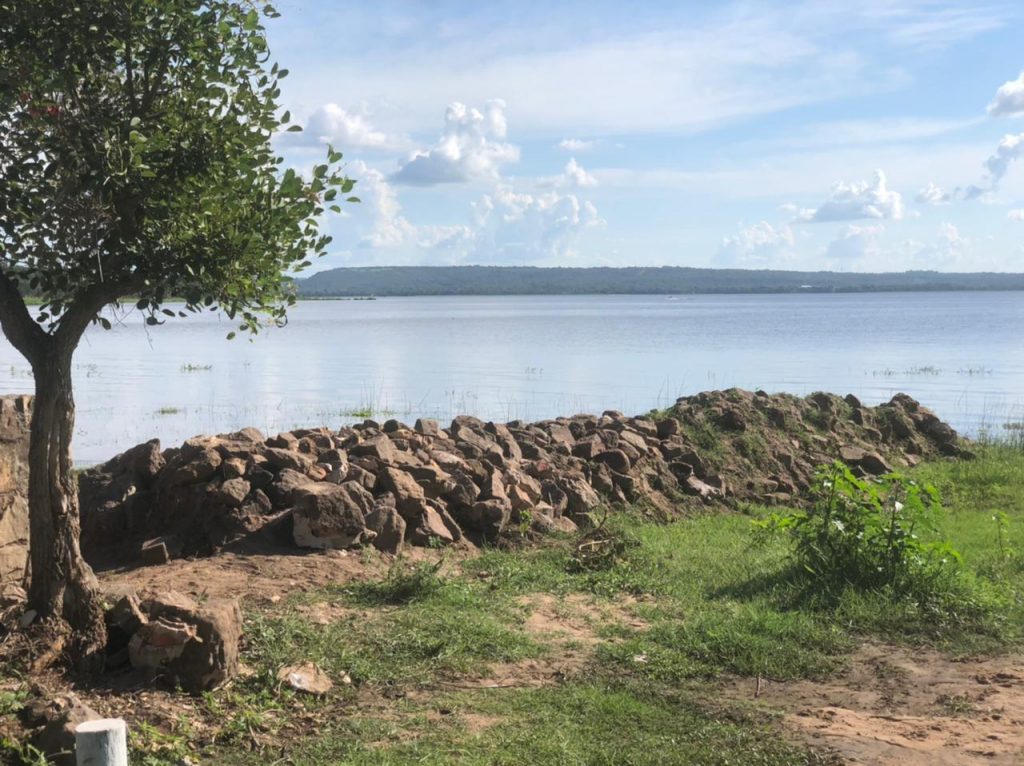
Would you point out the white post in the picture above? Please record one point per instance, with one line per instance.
(102, 743)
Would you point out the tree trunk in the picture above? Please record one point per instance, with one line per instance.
(61, 583)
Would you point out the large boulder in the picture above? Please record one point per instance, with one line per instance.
(193, 646)
(330, 515)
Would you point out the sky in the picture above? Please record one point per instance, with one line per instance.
(848, 136)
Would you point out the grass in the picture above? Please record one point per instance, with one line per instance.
(682, 605)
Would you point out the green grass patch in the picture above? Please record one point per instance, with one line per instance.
(584, 724)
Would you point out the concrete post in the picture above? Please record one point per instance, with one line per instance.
(102, 743)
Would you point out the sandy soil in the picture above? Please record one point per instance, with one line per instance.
(906, 706)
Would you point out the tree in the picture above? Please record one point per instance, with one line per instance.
(135, 161)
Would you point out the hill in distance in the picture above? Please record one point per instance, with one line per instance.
(665, 280)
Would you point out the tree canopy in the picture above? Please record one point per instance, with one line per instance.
(135, 158)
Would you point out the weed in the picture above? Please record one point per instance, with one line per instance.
(867, 533)
(404, 584)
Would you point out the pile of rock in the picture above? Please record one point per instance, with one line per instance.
(389, 484)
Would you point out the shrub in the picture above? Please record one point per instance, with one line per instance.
(868, 533)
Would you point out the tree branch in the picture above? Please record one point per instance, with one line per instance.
(16, 321)
(85, 308)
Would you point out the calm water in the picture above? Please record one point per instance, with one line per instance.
(535, 357)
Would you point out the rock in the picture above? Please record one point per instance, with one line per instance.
(233, 492)
(281, 459)
(361, 477)
(428, 528)
(427, 427)
(331, 515)
(875, 464)
(233, 468)
(192, 645)
(389, 527)
(144, 460)
(615, 459)
(307, 678)
(200, 468)
(379, 447)
(580, 496)
(408, 494)
(284, 440)
(491, 516)
(58, 718)
(160, 550)
(282, 491)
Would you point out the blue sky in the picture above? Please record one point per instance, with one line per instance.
(854, 136)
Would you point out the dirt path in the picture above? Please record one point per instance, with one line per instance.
(907, 706)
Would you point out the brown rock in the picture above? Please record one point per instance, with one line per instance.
(281, 459)
(200, 468)
(331, 515)
(378, 447)
(58, 717)
(196, 646)
(233, 492)
(389, 526)
(615, 459)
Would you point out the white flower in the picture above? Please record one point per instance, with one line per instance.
(899, 506)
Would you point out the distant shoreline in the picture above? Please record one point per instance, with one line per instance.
(409, 281)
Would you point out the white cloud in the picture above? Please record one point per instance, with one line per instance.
(853, 201)
(1010, 148)
(1016, 215)
(574, 176)
(934, 195)
(469, 149)
(390, 229)
(949, 252)
(855, 243)
(346, 130)
(515, 227)
(577, 145)
(759, 246)
(1009, 98)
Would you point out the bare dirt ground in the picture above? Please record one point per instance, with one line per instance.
(897, 705)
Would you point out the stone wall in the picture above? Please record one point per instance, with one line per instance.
(15, 412)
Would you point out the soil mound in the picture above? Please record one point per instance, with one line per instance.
(389, 484)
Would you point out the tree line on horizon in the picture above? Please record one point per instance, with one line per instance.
(664, 280)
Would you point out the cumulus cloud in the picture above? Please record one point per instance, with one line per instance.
(389, 228)
(853, 201)
(469, 149)
(1009, 98)
(577, 145)
(517, 227)
(934, 195)
(950, 251)
(761, 246)
(855, 243)
(507, 226)
(1010, 148)
(331, 124)
(1016, 215)
(574, 176)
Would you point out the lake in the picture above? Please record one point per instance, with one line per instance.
(501, 358)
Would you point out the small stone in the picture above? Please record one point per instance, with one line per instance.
(307, 678)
